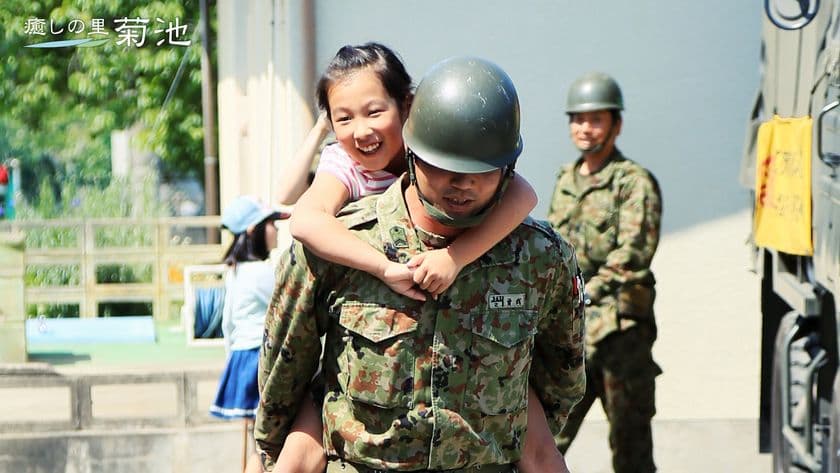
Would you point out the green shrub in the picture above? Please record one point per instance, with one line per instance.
(117, 200)
(52, 311)
(37, 275)
(124, 273)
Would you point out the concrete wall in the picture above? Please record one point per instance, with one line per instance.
(117, 420)
(12, 307)
(197, 450)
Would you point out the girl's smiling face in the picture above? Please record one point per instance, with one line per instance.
(366, 120)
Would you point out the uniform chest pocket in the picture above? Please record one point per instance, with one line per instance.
(377, 360)
(500, 357)
(602, 227)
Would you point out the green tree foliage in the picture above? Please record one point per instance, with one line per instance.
(59, 105)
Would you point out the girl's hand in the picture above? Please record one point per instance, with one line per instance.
(322, 125)
(399, 277)
(434, 271)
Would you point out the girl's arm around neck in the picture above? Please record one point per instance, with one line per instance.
(436, 270)
(517, 202)
(313, 223)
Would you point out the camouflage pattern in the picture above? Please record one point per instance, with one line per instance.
(623, 375)
(337, 465)
(411, 385)
(613, 219)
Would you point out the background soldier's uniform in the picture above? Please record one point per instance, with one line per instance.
(612, 218)
(424, 385)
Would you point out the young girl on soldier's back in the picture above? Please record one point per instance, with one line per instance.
(366, 94)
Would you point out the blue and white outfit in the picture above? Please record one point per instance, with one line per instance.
(248, 290)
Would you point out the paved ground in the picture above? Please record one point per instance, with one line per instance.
(680, 446)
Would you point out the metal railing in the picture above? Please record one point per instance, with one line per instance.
(161, 246)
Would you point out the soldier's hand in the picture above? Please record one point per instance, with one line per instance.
(434, 271)
(399, 277)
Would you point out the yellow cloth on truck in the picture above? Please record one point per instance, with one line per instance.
(783, 186)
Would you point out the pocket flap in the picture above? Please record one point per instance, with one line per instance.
(374, 322)
(505, 327)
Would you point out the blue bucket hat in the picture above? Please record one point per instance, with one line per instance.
(245, 211)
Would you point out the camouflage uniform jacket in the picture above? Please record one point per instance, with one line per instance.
(612, 218)
(423, 385)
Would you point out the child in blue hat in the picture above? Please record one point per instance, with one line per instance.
(249, 283)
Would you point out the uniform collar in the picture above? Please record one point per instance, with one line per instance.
(400, 237)
(600, 178)
(397, 232)
(607, 168)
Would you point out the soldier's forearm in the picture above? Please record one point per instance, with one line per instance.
(539, 453)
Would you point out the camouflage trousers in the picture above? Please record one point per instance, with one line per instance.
(622, 374)
(336, 465)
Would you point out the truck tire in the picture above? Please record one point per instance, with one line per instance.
(833, 454)
(784, 460)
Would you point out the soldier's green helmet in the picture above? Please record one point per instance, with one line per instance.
(594, 91)
(465, 117)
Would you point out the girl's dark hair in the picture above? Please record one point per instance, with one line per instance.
(250, 246)
(382, 60)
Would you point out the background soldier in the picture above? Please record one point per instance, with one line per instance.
(609, 208)
(436, 384)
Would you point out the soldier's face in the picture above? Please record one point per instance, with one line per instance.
(591, 130)
(457, 194)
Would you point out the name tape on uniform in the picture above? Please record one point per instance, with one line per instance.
(506, 301)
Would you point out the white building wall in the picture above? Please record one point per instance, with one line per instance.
(264, 84)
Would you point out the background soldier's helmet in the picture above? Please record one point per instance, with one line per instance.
(594, 91)
(465, 117)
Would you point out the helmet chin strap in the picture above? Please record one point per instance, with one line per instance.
(591, 149)
(458, 222)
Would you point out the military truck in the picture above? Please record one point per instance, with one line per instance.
(800, 385)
